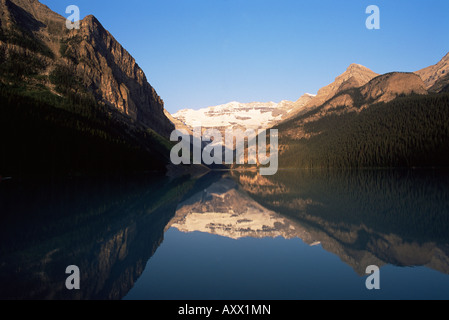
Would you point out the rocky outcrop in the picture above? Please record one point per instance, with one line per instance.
(441, 85)
(391, 85)
(432, 74)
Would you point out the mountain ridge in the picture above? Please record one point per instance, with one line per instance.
(355, 75)
(430, 75)
(382, 88)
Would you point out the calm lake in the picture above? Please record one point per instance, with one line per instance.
(228, 235)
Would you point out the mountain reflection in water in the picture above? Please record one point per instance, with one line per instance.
(111, 229)
(365, 217)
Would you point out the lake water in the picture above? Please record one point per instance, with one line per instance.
(228, 235)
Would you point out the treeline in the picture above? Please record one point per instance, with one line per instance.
(41, 133)
(407, 132)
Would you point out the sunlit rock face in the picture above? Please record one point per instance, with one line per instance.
(90, 55)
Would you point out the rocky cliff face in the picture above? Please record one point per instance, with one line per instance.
(91, 55)
(442, 85)
(113, 75)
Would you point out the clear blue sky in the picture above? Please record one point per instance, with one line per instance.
(199, 53)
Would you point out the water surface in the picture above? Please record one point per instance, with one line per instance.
(296, 235)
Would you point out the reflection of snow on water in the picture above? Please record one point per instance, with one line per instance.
(223, 209)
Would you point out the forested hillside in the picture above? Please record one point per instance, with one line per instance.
(42, 133)
(409, 131)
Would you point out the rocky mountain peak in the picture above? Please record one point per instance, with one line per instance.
(358, 73)
(357, 68)
(355, 76)
(91, 19)
(91, 55)
(91, 26)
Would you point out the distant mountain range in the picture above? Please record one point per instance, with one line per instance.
(265, 115)
(361, 119)
(236, 115)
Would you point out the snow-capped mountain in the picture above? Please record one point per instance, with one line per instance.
(236, 115)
